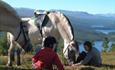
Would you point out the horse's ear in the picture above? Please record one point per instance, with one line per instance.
(25, 19)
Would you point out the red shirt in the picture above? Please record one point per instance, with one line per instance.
(48, 57)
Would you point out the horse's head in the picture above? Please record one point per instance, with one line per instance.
(71, 52)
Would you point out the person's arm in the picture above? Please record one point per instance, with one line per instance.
(77, 64)
(85, 61)
(87, 58)
(35, 57)
(58, 63)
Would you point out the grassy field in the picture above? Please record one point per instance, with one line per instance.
(108, 60)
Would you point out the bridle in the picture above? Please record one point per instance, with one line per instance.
(67, 46)
(24, 34)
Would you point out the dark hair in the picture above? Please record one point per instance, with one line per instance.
(89, 44)
(50, 41)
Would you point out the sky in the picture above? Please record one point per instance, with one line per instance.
(90, 6)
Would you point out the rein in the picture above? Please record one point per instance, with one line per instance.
(23, 32)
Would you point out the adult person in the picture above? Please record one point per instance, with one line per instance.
(92, 57)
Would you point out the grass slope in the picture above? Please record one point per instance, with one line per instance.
(108, 60)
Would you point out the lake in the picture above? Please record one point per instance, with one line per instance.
(98, 45)
(105, 31)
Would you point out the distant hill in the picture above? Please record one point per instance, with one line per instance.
(85, 24)
(25, 12)
(107, 15)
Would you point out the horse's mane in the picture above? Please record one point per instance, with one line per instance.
(67, 21)
(69, 24)
(8, 8)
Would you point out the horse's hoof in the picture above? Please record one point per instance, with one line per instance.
(8, 65)
(18, 64)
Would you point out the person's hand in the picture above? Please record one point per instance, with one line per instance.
(77, 64)
(33, 65)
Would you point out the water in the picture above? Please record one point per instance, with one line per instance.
(110, 45)
(98, 45)
(97, 26)
(1, 34)
(105, 31)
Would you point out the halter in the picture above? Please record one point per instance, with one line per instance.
(23, 32)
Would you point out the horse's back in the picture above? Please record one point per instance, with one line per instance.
(7, 10)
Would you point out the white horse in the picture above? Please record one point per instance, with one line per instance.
(11, 22)
(51, 22)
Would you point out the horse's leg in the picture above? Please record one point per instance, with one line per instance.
(18, 51)
(43, 41)
(10, 54)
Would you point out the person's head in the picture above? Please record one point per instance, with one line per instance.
(88, 46)
(49, 42)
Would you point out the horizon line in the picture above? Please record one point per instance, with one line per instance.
(69, 10)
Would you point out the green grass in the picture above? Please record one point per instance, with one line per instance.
(108, 60)
(113, 48)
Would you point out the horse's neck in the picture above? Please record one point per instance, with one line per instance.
(63, 25)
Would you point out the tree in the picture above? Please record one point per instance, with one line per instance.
(105, 44)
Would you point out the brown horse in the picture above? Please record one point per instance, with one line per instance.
(11, 22)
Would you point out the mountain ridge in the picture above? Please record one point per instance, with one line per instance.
(80, 13)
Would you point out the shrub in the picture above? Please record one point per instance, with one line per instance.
(60, 51)
(3, 44)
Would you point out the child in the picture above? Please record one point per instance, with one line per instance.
(46, 57)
